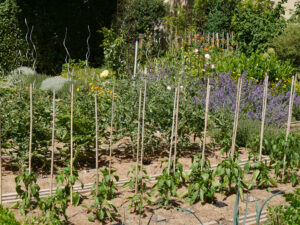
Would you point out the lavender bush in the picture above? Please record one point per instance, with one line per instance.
(223, 96)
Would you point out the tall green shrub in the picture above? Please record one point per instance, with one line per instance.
(143, 15)
(10, 37)
(219, 14)
(287, 45)
(256, 22)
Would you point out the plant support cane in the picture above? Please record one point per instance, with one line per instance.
(143, 126)
(30, 134)
(205, 123)
(97, 157)
(111, 127)
(71, 137)
(288, 128)
(264, 108)
(0, 160)
(176, 128)
(172, 131)
(53, 143)
(236, 116)
(138, 143)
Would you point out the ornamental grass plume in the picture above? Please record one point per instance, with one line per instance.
(223, 94)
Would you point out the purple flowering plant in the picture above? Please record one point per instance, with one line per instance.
(223, 96)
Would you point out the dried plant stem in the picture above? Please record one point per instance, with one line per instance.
(97, 157)
(143, 126)
(205, 123)
(236, 116)
(138, 143)
(71, 137)
(172, 131)
(263, 116)
(53, 143)
(288, 128)
(176, 128)
(111, 127)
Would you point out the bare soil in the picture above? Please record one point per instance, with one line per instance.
(220, 210)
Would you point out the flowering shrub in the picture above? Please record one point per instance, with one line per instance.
(223, 95)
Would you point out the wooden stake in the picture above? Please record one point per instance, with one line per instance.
(53, 143)
(30, 133)
(288, 128)
(205, 123)
(143, 126)
(236, 117)
(172, 131)
(111, 126)
(71, 137)
(176, 128)
(97, 152)
(31, 124)
(0, 160)
(138, 143)
(264, 108)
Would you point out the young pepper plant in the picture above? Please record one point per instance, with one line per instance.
(103, 208)
(142, 195)
(31, 191)
(167, 184)
(201, 182)
(229, 172)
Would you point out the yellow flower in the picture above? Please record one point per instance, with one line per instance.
(276, 78)
(104, 74)
(91, 84)
(77, 89)
(239, 74)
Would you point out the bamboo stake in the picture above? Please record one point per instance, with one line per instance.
(205, 123)
(172, 131)
(138, 143)
(176, 128)
(30, 134)
(71, 134)
(97, 152)
(53, 143)
(288, 128)
(143, 126)
(31, 124)
(236, 117)
(264, 108)
(0, 161)
(111, 127)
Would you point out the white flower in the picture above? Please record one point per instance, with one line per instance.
(54, 83)
(169, 88)
(181, 87)
(196, 51)
(207, 56)
(213, 66)
(203, 70)
(104, 74)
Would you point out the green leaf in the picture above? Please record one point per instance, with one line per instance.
(91, 219)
